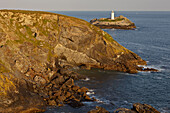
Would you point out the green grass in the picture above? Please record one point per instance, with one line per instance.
(11, 20)
(103, 33)
(108, 20)
(26, 11)
(108, 37)
(29, 31)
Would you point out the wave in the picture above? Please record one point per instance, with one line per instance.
(159, 78)
(165, 110)
(160, 48)
(136, 29)
(158, 67)
(168, 59)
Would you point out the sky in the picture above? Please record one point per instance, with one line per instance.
(87, 5)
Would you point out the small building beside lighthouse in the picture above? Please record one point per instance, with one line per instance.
(112, 15)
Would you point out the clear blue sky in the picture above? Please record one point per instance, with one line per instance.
(88, 5)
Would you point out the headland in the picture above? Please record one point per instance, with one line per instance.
(38, 49)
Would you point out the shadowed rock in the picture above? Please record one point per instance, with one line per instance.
(144, 108)
(124, 110)
(138, 108)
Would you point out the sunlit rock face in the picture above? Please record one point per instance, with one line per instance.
(36, 46)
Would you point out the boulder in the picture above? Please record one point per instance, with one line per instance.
(138, 108)
(98, 110)
(124, 110)
(144, 108)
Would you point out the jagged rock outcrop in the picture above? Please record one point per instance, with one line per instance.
(137, 108)
(36, 46)
(120, 22)
(98, 110)
(144, 108)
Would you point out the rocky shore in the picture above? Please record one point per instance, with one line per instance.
(137, 108)
(120, 22)
(38, 49)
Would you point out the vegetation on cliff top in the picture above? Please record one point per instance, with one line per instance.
(109, 20)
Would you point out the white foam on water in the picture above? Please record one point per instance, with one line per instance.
(159, 78)
(86, 79)
(135, 75)
(126, 102)
(164, 110)
(160, 48)
(112, 29)
(87, 102)
(103, 101)
(99, 101)
(147, 61)
(158, 67)
(90, 92)
(144, 72)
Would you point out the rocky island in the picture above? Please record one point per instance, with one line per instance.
(120, 22)
(38, 49)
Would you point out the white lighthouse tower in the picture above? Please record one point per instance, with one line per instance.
(112, 15)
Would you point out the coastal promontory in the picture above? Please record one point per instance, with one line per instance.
(38, 49)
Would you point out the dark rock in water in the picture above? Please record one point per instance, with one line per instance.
(144, 108)
(138, 108)
(75, 104)
(84, 89)
(147, 69)
(98, 110)
(124, 110)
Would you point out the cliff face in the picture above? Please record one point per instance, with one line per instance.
(33, 44)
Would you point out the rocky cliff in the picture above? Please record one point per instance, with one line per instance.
(36, 46)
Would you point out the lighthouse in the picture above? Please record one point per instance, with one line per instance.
(112, 15)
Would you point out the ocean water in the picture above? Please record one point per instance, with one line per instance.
(151, 41)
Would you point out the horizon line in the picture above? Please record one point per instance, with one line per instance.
(78, 10)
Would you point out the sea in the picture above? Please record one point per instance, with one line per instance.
(151, 41)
